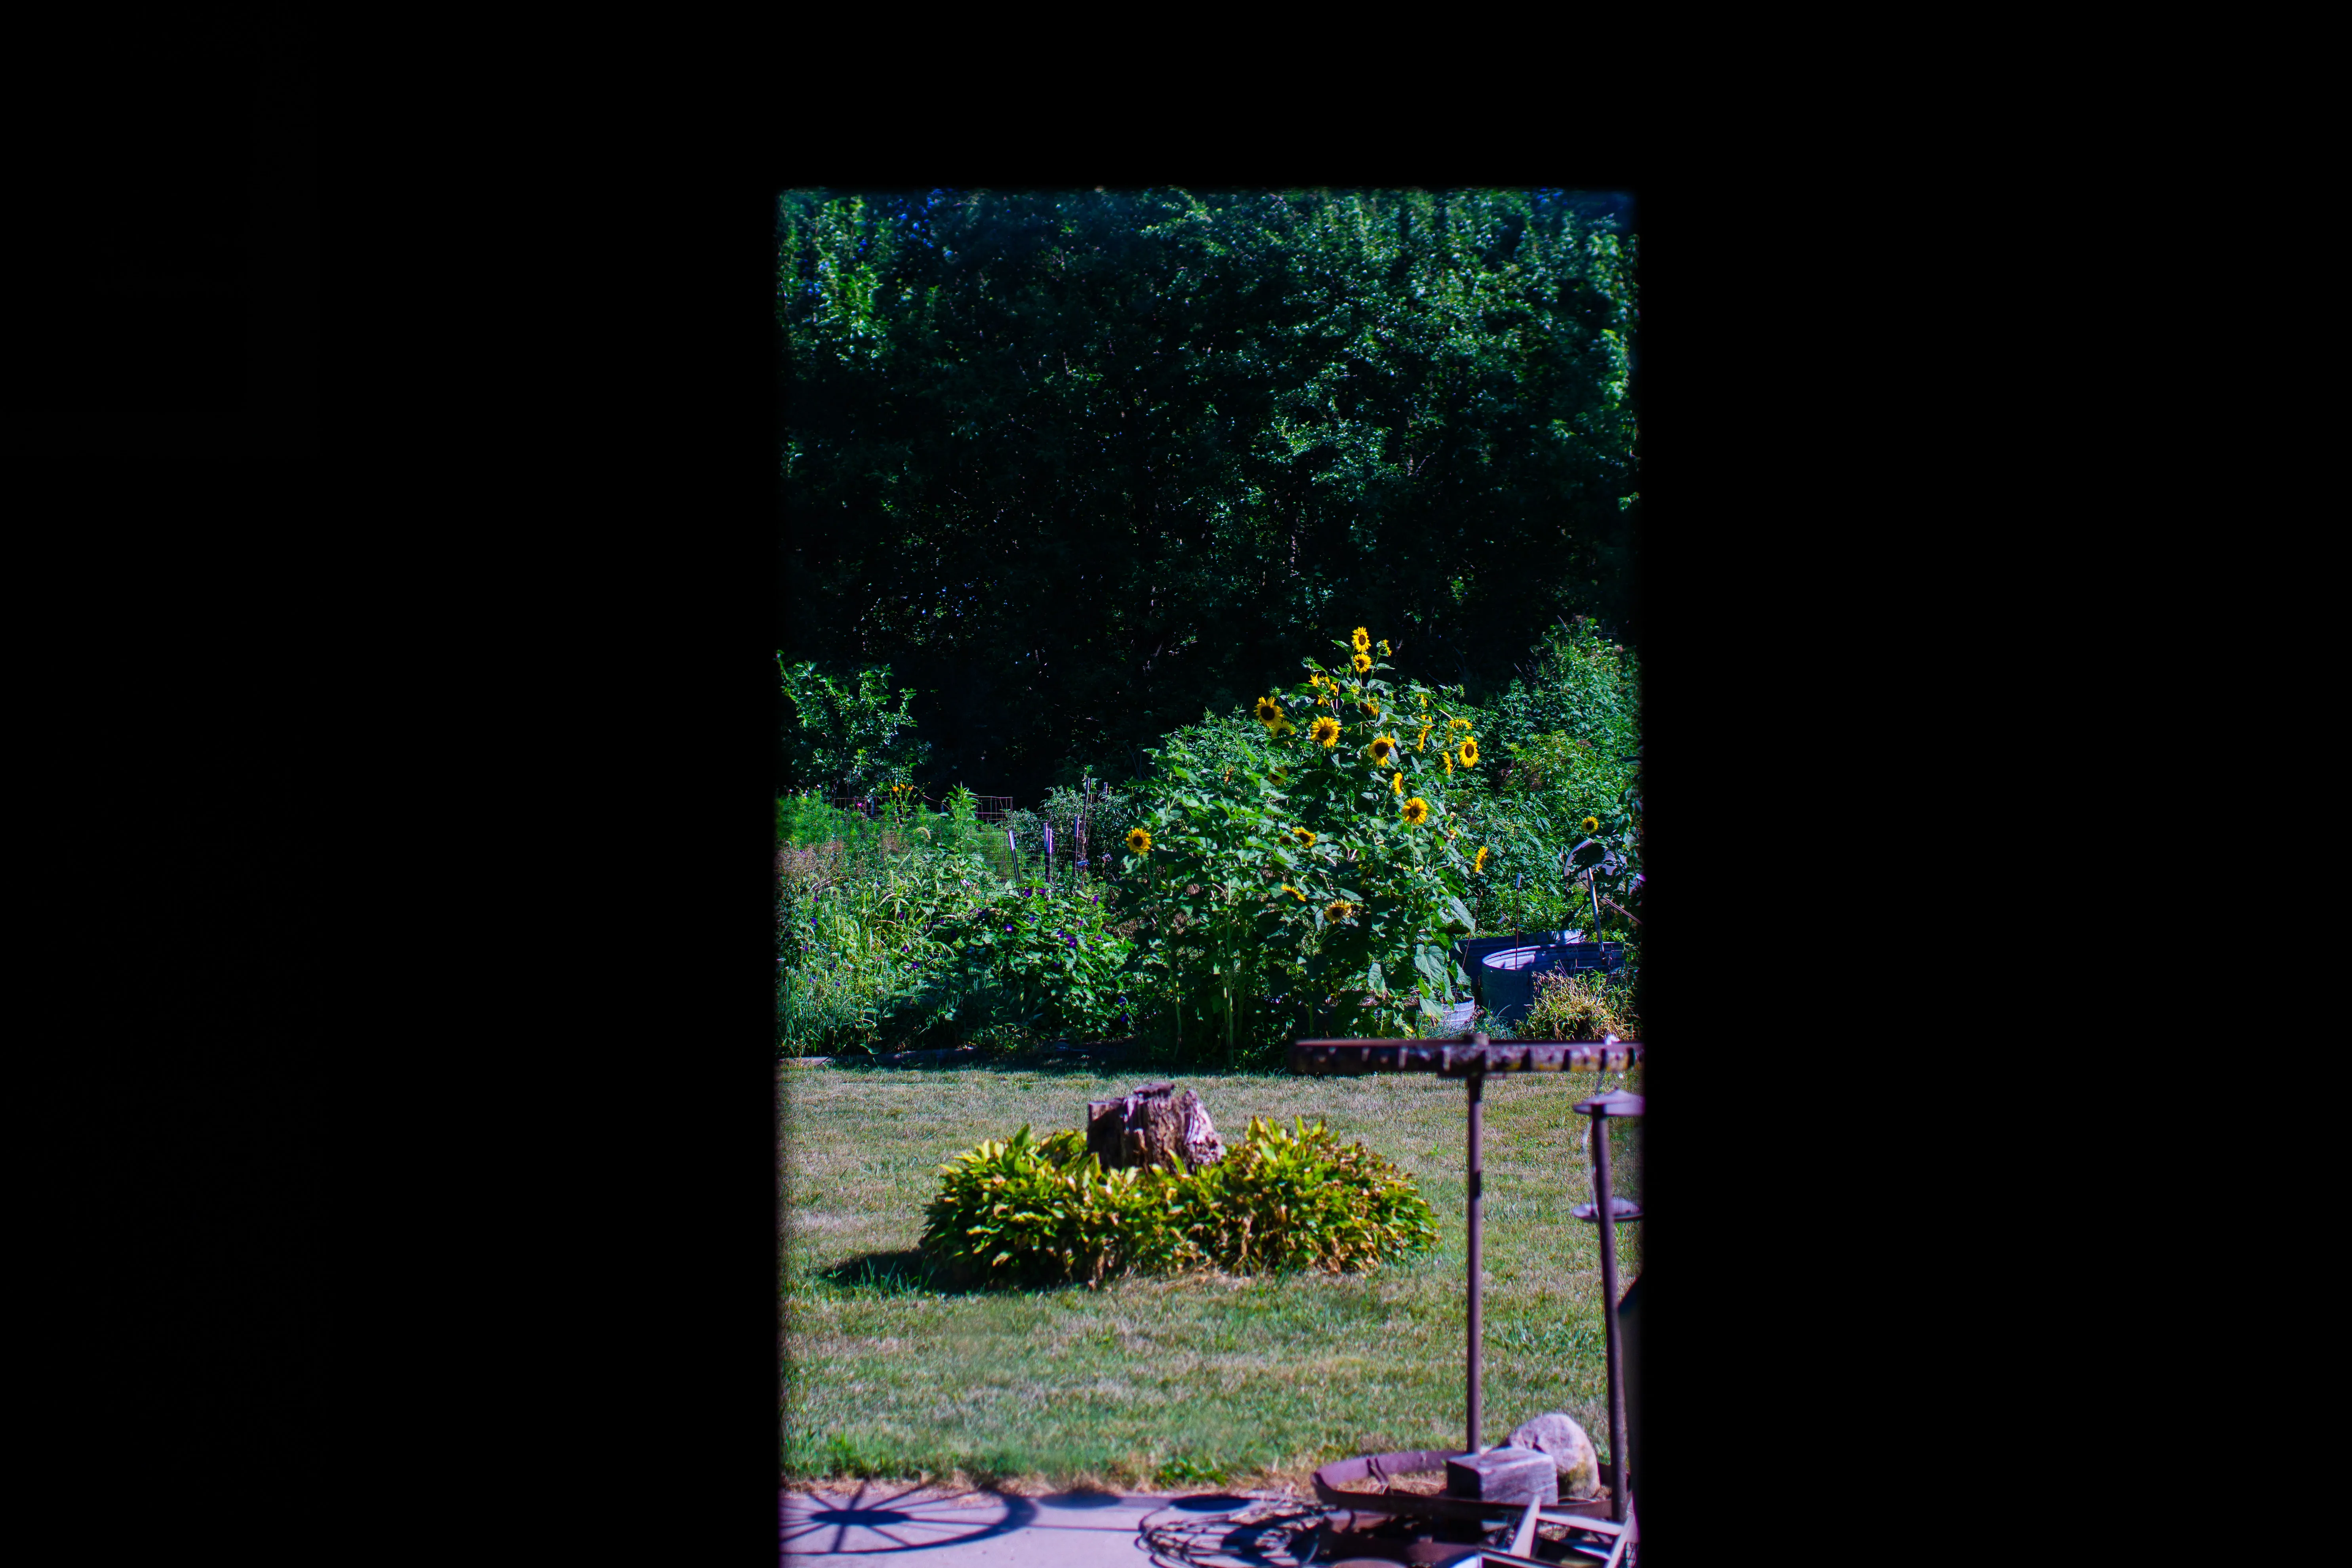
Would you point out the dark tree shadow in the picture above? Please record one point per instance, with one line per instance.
(907, 1272)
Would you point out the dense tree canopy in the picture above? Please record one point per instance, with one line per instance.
(1077, 466)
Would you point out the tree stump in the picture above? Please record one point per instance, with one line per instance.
(1153, 1125)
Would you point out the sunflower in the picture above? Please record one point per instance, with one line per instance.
(1338, 910)
(1592, 825)
(1304, 836)
(1284, 727)
(1363, 640)
(1383, 748)
(1416, 810)
(1326, 731)
(1396, 784)
(1372, 705)
(1469, 751)
(1363, 663)
(1447, 758)
(1385, 651)
(1294, 892)
(1269, 711)
(1139, 842)
(1423, 744)
(1480, 863)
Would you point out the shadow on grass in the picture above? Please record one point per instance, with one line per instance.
(907, 1272)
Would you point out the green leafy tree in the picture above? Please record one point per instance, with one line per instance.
(848, 737)
(1080, 464)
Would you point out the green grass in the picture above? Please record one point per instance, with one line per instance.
(1173, 1381)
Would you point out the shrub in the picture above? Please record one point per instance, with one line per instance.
(1027, 1213)
(1037, 958)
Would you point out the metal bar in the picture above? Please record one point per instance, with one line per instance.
(1459, 1058)
(1608, 1315)
(1477, 1087)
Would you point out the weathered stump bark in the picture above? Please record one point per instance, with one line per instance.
(1153, 1125)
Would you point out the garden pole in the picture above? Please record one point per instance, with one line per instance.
(1477, 1084)
(1601, 1211)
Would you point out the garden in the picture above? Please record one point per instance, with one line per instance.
(1315, 866)
(1234, 818)
(1312, 866)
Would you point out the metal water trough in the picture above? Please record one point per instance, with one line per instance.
(1471, 1060)
(1471, 951)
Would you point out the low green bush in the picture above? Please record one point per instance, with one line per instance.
(1025, 1213)
(1041, 958)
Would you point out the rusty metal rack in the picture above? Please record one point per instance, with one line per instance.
(1472, 1060)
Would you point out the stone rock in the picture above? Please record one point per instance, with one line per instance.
(1572, 1453)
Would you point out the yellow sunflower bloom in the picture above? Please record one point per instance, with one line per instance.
(1139, 842)
(1338, 910)
(1592, 825)
(1396, 784)
(1480, 863)
(1294, 892)
(1416, 810)
(1363, 640)
(1304, 836)
(1423, 744)
(1447, 758)
(1457, 723)
(1385, 651)
(1363, 663)
(1383, 748)
(1268, 710)
(1469, 751)
(1326, 731)
(1372, 706)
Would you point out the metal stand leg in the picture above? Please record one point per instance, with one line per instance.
(1478, 1181)
(1600, 1195)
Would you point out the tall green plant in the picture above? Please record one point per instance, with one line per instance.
(1325, 844)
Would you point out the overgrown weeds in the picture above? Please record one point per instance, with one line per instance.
(1572, 1006)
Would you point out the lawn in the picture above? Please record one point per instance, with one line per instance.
(1177, 1382)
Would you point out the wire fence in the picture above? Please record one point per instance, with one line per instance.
(986, 807)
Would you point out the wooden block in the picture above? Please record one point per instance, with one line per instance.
(1503, 1475)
